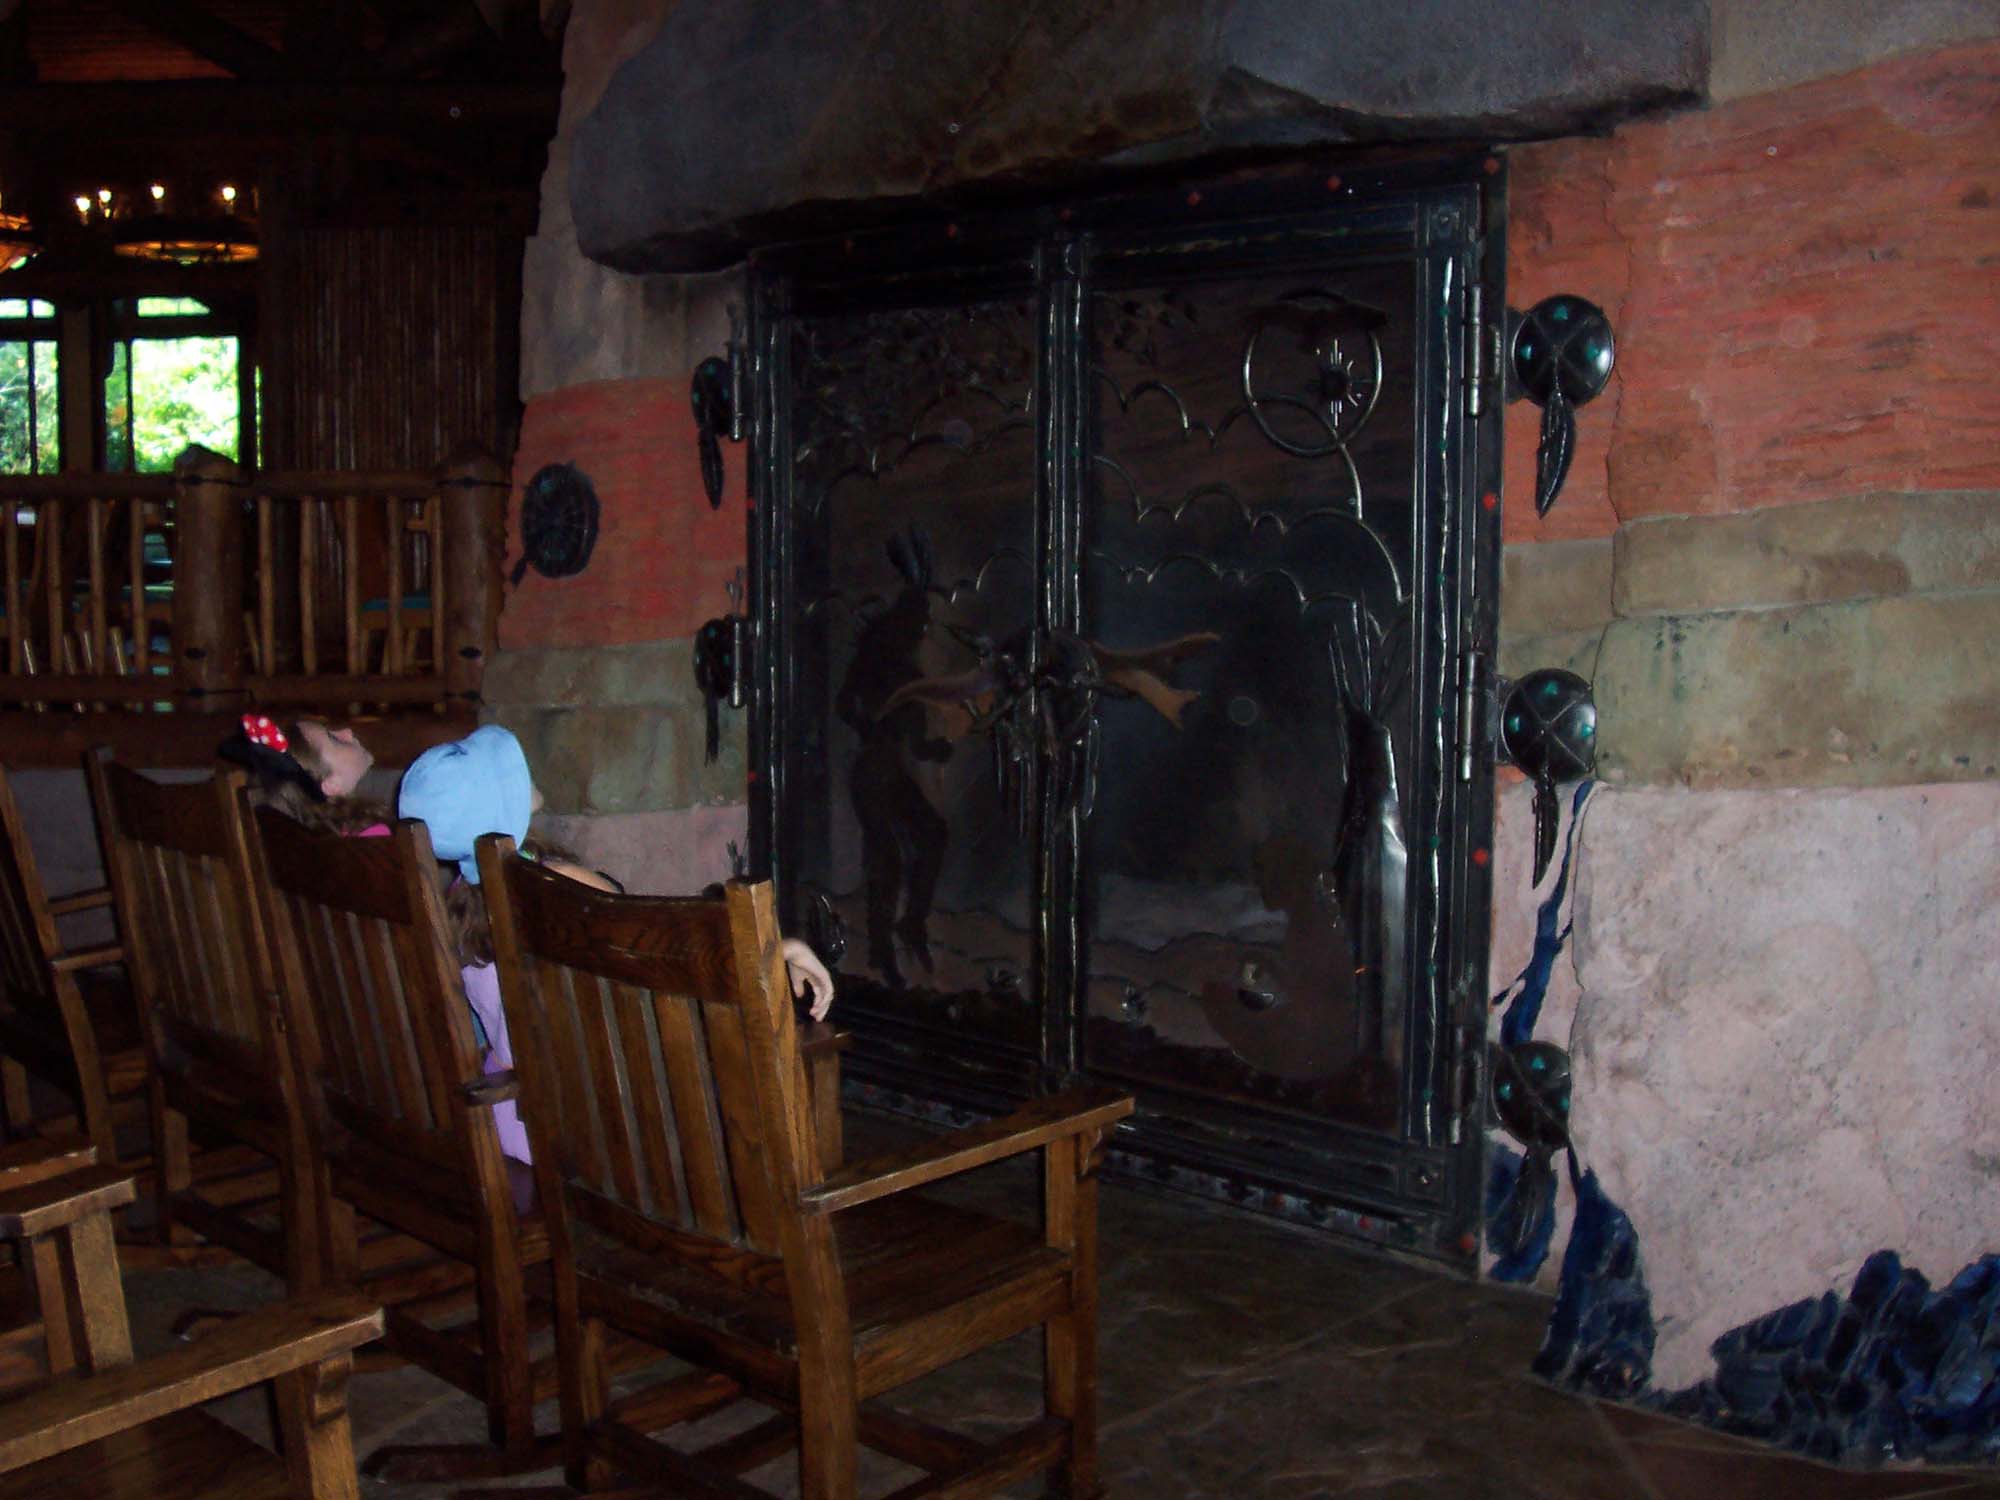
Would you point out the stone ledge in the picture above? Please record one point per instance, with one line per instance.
(1863, 546)
(1868, 692)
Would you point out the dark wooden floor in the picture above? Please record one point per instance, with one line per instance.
(1243, 1361)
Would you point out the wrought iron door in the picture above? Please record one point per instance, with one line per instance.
(1123, 588)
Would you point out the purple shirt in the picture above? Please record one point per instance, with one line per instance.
(482, 992)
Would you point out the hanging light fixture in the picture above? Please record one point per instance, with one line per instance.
(187, 239)
(18, 240)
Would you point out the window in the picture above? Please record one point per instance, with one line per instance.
(30, 364)
(174, 380)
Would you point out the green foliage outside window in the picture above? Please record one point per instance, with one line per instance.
(25, 366)
(179, 391)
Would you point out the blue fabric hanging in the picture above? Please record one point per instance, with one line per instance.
(1531, 985)
(1600, 1337)
(1520, 1191)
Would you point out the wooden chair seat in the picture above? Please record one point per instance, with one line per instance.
(90, 1422)
(187, 1455)
(903, 1260)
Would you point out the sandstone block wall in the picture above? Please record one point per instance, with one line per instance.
(1776, 559)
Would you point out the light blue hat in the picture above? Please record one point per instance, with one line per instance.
(474, 786)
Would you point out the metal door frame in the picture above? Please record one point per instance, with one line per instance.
(1418, 1190)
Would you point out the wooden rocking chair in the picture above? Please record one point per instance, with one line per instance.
(201, 970)
(666, 1096)
(108, 1427)
(65, 1016)
(400, 1114)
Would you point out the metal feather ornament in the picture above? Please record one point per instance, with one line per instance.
(1562, 357)
(1548, 727)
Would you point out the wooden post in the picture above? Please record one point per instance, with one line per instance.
(208, 577)
(465, 563)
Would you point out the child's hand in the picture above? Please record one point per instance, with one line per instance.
(808, 975)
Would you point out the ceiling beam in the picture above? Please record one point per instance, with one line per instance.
(113, 111)
(208, 37)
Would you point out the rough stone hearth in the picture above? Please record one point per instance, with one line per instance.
(1779, 1006)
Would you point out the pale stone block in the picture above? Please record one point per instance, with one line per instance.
(1784, 1037)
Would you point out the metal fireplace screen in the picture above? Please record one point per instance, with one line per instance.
(1126, 590)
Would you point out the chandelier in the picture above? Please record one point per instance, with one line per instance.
(18, 240)
(218, 235)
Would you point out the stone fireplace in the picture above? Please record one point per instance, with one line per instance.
(1774, 556)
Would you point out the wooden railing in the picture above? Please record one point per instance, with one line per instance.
(212, 590)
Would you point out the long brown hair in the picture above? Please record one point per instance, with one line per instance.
(290, 781)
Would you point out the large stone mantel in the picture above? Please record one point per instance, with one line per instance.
(723, 127)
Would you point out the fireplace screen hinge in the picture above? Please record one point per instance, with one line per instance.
(1482, 349)
(1472, 730)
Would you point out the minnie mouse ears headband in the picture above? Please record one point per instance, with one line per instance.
(259, 730)
(264, 750)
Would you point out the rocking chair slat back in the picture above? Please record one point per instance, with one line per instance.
(87, 1048)
(370, 989)
(202, 975)
(394, 1089)
(27, 932)
(196, 942)
(654, 1045)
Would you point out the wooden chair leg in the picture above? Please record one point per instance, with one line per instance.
(510, 1400)
(80, 1297)
(503, 1317)
(15, 1098)
(829, 1440)
(585, 1392)
(1069, 1340)
(173, 1173)
(313, 1426)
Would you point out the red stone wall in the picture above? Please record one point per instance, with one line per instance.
(663, 557)
(1805, 287)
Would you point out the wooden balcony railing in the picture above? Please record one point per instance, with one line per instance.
(212, 590)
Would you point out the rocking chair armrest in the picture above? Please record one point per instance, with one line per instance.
(62, 906)
(88, 958)
(1037, 1123)
(819, 1040)
(494, 1088)
(39, 1207)
(26, 1162)
(242, 1352)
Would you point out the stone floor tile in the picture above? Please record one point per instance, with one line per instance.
(1240, 1359)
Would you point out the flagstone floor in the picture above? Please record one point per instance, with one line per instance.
(1243, 1360)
